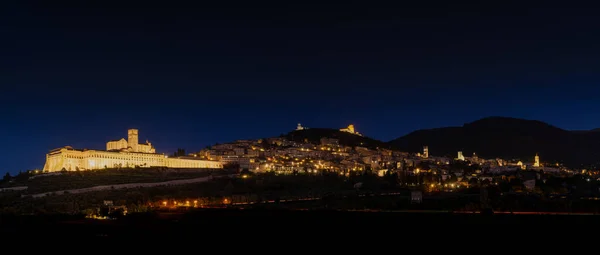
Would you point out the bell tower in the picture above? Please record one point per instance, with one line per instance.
(132, 139)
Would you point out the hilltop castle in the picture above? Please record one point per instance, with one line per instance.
(119, 153)
(350, 129)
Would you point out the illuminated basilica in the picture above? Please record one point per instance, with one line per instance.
(119, 153)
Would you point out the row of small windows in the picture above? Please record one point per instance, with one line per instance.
(113, 157)
(155, 160)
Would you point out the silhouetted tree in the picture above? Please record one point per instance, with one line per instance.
(117, 213)
(6, 177)
(22, 176)
(265, 143)
(504, 186)
(473, 181)
(391, 178)
(180, 152)
(485, 182)
(231, 166)
(104, 211)
(228, 190)
(453, 178)
(245, 171)
(423, 165)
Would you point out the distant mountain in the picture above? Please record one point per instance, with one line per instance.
(508, 138)
(314, 135)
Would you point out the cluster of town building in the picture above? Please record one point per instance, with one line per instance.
(282, 156)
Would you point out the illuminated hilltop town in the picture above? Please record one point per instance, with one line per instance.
(120, 153)
(283, 156)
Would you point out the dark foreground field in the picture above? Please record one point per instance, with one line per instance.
(219, 224)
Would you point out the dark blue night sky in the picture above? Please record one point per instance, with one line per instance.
(83, 74)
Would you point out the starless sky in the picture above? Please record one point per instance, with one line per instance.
(81, 74)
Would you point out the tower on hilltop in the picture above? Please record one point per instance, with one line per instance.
(460, 156)
(133, 138)
(536, 163)
(131, 144)
(425, 151)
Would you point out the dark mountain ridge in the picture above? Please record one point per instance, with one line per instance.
(314, 135)
(508, 138)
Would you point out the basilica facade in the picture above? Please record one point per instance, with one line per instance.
(119, 153)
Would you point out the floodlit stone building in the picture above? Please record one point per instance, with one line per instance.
(350, 129)
(119, 153)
